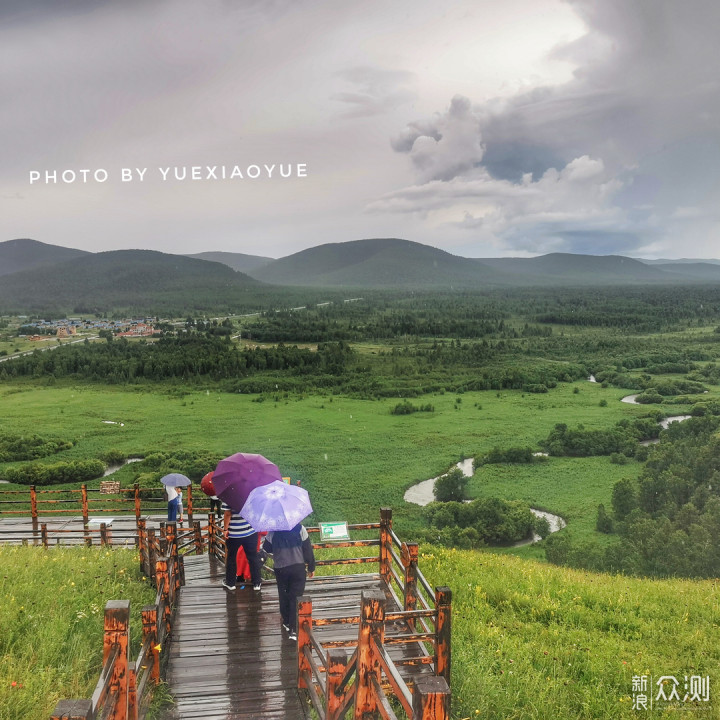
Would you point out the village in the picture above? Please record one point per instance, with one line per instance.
(71, 327)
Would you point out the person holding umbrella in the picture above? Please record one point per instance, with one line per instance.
(171, 483)
(292, 552)
(279, 507)
(239, 533)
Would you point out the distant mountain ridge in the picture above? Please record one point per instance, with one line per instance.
(26, 254)
(39, 277)
(237, 261)
(139, 279)
(378, 262)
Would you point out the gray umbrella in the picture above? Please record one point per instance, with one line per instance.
(175, 480)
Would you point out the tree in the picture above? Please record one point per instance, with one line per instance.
(624, 498)
(451, 487)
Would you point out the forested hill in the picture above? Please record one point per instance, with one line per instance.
(25, 254)
(390, 262)
(379, 262)
(567, 267)
(142, 280)
(237, 261)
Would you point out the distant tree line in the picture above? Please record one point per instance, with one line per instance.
(74, 471)
(185, 358)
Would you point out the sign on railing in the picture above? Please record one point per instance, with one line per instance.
(334, 531)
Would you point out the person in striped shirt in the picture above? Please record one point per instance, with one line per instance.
(239, 533)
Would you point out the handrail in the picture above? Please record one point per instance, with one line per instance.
(332, 694)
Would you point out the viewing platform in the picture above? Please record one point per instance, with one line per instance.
(369, 644)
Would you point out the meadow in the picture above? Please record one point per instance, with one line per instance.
(51, 622)
(329, 441)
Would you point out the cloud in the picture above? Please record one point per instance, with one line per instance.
(375, 90)
(549, 214)
(446, 145)
(615, 156)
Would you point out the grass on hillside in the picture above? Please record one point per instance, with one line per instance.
(51, 622)
(538, 642)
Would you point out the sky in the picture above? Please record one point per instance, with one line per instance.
(265, 127)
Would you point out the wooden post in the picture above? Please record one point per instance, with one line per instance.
(199, 545)
(410, 563)
(150, 634)
(44, 534)
(152, 552)
(212, 535)
(443, 601)
(385, 545)
(84, 500)
(189, 505)
(163, 538)
(337, 659)
(172, 553)
(105, 534)
(304, 617)
(72, 710)
(163, 585)
(142, 543)
(431, 698)
(136, 488)
(33, 505)
(117, 632)
(372, 624)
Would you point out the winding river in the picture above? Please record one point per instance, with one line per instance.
(422, 494)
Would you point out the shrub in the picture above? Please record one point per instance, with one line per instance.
(604, 523)
(76, 471)
(451, 486)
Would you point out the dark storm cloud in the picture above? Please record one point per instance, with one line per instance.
(644, 97)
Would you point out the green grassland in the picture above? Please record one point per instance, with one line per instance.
(51, 622)
(331, 443)
(542, 642)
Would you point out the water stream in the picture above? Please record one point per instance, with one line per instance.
(423, 494)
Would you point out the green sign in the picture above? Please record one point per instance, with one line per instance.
(334, 531)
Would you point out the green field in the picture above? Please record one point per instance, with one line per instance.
(327, 442)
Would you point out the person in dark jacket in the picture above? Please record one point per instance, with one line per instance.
(292, 552)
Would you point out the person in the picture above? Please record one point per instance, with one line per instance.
(239, 533)
(180, 506)
(292, 552)
(215, 505)
(172, 495)
(243, 566)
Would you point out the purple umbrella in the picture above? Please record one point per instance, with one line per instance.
(277, 506)
(237, 475)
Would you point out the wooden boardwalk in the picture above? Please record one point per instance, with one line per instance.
(230, 659)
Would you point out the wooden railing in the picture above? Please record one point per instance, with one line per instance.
(122, 691)
(84, 501)
(368, 680)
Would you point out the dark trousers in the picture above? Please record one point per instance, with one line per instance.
(249, 545)
(215, 507)
(291, 585)
(173, 510)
